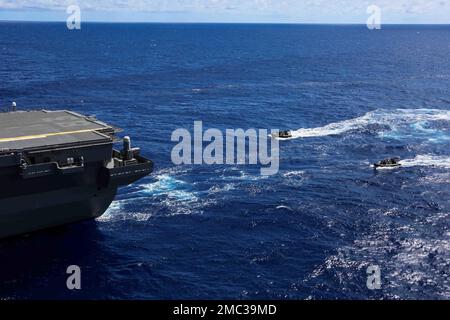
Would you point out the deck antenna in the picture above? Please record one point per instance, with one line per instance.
(128, 153)
(13, 105)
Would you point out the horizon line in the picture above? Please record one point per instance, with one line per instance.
(225, 22)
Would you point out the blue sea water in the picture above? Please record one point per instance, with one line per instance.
(353, 95)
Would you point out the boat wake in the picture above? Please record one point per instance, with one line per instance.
(398, 123)
(427, 161)
(421, 161)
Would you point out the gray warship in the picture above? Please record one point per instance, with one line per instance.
(60, 167)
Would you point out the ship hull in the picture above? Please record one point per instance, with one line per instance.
(60, 167)
(33, 204)
(39, 211)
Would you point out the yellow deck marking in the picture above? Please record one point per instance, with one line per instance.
(45, 135)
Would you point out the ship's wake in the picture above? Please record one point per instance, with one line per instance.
(117, 212)
(164, 196)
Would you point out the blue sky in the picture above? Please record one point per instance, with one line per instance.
(278, 11)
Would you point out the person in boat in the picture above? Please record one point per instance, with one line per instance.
(388, 162)
(285, 134)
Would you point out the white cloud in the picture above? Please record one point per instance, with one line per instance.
(290, 9)
(416, 6)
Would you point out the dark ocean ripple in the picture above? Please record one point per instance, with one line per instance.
(310, 232)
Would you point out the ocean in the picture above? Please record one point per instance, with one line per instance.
(351, 97)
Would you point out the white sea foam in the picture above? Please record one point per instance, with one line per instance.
(165, 185)
(390, 118)
(221, 188)
(284, 207)
(166, 193)
(238, 174)
(116, 212)
(294, 173)
(427, 161)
